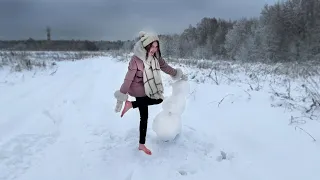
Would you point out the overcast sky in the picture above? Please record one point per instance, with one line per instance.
(113, 19)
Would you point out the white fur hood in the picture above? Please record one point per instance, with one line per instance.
(141, 52)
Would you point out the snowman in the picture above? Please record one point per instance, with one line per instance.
(167, 124)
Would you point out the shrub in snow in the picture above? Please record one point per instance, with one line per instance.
(167, 124)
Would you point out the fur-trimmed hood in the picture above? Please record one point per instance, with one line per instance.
(141, 52)
(139, 47)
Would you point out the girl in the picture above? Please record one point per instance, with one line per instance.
(143, 81)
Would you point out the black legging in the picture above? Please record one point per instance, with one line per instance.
(142, 103)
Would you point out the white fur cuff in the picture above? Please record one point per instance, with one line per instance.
(120, 96)
(178, 75)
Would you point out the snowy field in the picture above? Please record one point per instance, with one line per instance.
(60, 123)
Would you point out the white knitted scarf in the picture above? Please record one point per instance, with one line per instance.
(152, 78)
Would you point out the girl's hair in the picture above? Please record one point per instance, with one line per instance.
(149, 46)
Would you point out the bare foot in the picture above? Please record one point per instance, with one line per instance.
(144, 149)
(127, 106)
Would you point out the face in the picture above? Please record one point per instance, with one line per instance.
(153, 48)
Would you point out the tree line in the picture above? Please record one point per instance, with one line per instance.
(60, 45)
(285, 31)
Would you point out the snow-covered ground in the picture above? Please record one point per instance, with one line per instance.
(63, 126)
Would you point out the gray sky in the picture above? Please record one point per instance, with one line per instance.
(113, 19)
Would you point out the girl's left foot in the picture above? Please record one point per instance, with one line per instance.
(143, 148)
(127, 106)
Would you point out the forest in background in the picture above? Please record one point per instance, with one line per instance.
(286, 31)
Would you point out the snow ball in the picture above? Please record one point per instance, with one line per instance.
(167, 125)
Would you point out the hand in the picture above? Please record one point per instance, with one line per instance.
(180, 75)
(118, 106)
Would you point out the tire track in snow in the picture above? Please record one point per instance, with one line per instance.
(17, 112)
(20, 152)
(72, 142)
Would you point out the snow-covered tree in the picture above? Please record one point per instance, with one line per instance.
(313, 33)
(170, 45)
(236, 39)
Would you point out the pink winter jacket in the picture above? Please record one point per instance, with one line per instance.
(133, 81)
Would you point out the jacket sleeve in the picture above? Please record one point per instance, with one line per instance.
(167, 68)
(132, 69)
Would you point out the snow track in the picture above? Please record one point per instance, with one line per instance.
(44, 117)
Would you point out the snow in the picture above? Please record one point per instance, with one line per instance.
(63, 126)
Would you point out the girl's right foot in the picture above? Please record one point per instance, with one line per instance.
(143, 148)
(127, 106)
